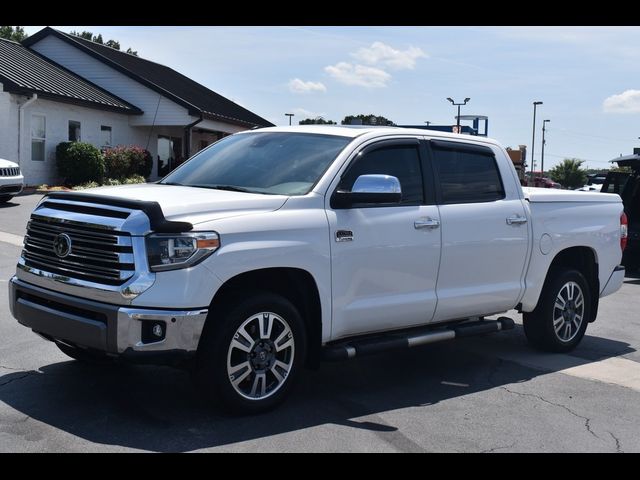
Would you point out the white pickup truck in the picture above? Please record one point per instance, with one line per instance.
(276, 248)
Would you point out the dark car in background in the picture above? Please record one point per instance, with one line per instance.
(627, 185)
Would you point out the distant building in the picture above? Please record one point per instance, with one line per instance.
(519, 159)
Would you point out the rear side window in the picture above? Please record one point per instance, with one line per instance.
(400, 161)
(467, 175)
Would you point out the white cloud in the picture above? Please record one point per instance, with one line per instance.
(303, 113)
(386, 56)
(359, 75)
(300, 86)
(625, 102)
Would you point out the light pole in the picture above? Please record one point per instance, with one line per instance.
(458, 105)
(544, 124)
(533, 139)
(289, 115)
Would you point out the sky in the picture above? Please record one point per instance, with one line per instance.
(588, 78)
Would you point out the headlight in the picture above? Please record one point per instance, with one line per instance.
(166, 251)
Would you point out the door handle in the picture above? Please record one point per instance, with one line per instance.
(427, 223)
(516, 220)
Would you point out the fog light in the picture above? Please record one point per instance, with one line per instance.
(153, 331)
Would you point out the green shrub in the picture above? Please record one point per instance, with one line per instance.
(133, 179)
(111, 182)
(79, 162)
(82, 186)
(122, 162)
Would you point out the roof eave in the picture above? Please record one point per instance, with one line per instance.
(16, 89)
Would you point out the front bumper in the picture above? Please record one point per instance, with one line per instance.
(115, 330)
(11, 185)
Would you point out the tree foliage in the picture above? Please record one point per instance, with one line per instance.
(369, 119)
(98, 39)
(569, 173)
(12, 33)
(316, 121)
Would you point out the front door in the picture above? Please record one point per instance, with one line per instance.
(385, 276)
(484, 232)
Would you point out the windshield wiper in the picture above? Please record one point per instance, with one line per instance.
(230, 188)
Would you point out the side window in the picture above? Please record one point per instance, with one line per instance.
(401, 161)
(467, 176)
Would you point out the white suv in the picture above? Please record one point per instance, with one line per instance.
(11, 180)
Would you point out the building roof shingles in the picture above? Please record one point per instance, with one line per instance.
(192, 95)
(24, 71)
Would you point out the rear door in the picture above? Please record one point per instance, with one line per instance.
(484, 231)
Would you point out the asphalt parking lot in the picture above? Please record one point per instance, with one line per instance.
(483, 394)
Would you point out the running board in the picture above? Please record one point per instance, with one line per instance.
(398, 341)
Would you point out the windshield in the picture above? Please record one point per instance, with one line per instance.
(282, 163)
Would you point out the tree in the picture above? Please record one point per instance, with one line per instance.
(10, 33)
(369, 119)
(98, 39)
(316, 121)
(569, 173)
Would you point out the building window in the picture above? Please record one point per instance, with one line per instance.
(169, 154)
(38, 137)
(74, 131)
(105, 136)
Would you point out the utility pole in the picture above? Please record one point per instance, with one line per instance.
(544, 123)
(533, 139)
(289, 115)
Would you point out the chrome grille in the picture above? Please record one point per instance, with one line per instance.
(9, 172)
(96, 254)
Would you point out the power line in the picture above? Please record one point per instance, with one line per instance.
(590, 135)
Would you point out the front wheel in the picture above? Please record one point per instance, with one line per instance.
(560, 319)
(250, 353)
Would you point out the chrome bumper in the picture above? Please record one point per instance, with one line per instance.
(110, 328)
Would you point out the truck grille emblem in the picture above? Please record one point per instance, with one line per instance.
(62, 245)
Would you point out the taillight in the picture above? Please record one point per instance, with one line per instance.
(624, 231)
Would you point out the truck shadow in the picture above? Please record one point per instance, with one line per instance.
(158, 408)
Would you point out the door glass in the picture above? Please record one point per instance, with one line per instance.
(400, 161)
(467, 176)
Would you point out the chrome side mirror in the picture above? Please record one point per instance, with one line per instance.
(369, 190)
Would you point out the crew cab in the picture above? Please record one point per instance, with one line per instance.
(280, 247)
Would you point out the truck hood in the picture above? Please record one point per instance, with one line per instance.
(192, 204)
(539, 195)
(7, 164)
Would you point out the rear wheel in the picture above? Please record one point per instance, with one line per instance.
(250, 353)
(560, 319)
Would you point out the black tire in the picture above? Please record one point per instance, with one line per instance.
(539, 324)
(86, 356)
(215, 351)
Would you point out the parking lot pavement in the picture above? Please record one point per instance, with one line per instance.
(15, 213)
(482, 394)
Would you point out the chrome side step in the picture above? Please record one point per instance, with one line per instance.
(414, 338)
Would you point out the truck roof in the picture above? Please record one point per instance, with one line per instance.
(358, 130)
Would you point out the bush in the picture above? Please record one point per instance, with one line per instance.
(79, 162)
(122, 162)
(110, 182)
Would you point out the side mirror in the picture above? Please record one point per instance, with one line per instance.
(369, 189)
